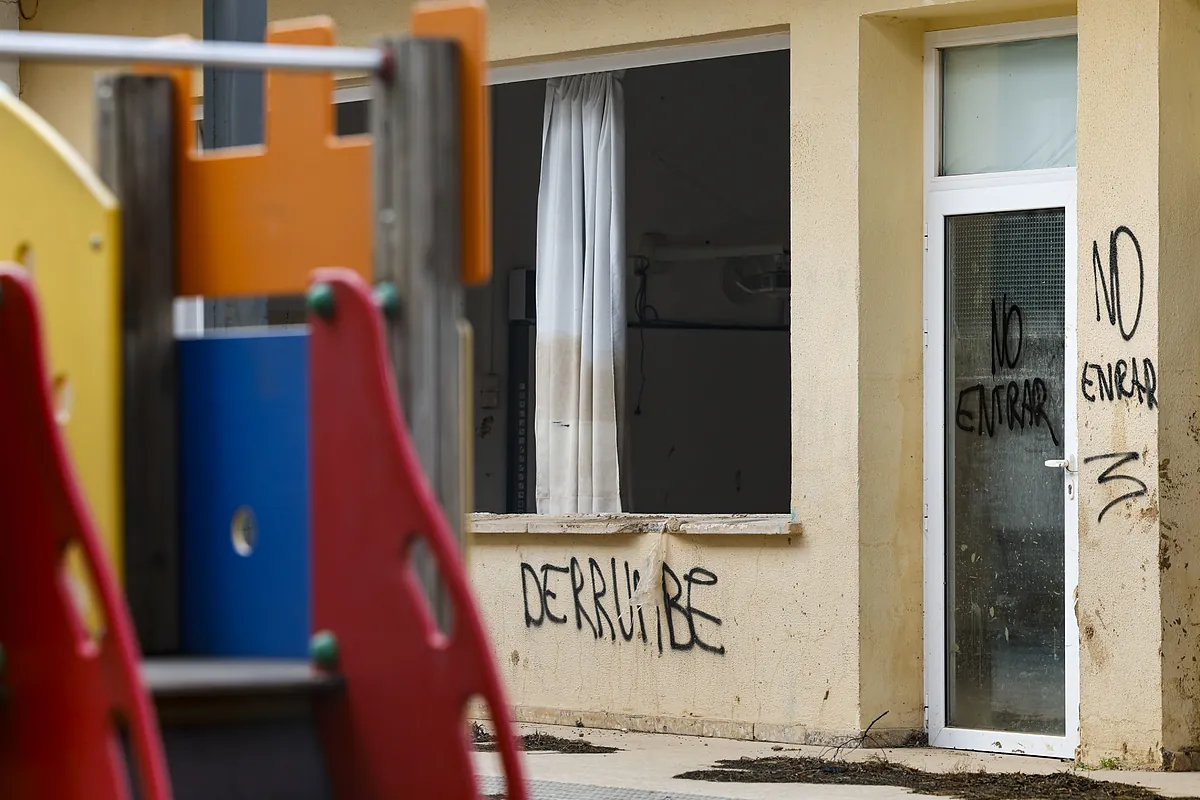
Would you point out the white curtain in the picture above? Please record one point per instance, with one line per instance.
(579, 391)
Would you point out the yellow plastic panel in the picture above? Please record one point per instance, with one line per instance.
(59, 220)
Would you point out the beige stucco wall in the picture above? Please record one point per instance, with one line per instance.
(889, 384)
(1139, 156)
(10, 19)
(63, 94)
(1117, 605)
(1179, 354)
(836, 614)
(764, 670)
(822, 632)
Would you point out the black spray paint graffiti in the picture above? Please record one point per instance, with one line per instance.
(1109, 475)
(1011, 403)
(1133, 380)
(590, 589)
(1002, 328)
(1109, 382)
(1016, 405)
(1113, 299)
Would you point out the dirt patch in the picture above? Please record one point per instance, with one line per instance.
(964, 785)
(538, 742)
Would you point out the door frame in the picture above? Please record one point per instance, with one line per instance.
(966, 194)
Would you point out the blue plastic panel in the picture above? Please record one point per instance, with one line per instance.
(243, 416)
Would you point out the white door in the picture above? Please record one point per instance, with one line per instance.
(1001, 546)
(1001, 480)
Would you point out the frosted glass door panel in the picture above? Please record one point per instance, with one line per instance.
(1005, 508)
(1009, 106)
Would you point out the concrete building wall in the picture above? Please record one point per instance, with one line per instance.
(820, 633)
(845, 644)
(10, 20)
(63, 93)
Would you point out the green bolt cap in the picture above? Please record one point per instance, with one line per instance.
(323, 649)
(387, 298)
(320, 299)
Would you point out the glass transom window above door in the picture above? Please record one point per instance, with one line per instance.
(1008, 106)
(1000, 433)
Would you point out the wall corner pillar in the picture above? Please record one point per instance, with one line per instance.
(856, 353)
(890, 351)
(825, 321)
(1139, 430)
(1179, 370)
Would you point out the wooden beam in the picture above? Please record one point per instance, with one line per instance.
(136, 122)
(415, 125)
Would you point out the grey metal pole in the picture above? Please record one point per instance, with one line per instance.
(233, 99)
(233, 116)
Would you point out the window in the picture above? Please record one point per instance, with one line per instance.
(1008, 106)
(707, 354)
(352, 116)
(707, 235)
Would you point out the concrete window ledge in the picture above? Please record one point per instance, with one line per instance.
(695, 524)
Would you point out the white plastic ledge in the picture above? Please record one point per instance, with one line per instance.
(697, 524)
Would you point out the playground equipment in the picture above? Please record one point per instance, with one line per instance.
(298, 457)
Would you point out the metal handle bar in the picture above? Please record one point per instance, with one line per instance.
(1067, 464)
(92, 49)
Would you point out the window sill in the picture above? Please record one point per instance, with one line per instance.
(691, 525)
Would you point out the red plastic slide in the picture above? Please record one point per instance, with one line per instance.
(66, 698)
(399, 730)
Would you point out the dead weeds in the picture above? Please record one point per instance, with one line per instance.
(877, 772)
(538, 742)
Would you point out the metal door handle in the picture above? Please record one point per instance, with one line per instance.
(1067, 464)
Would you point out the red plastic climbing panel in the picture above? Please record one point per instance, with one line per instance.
(65, 692)
(399, 729)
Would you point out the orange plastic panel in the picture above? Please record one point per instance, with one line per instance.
(257, 220)
(466, 22)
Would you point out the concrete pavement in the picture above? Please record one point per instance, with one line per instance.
(644, 767)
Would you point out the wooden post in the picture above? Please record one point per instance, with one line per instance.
(136, 137)
(415, 124)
